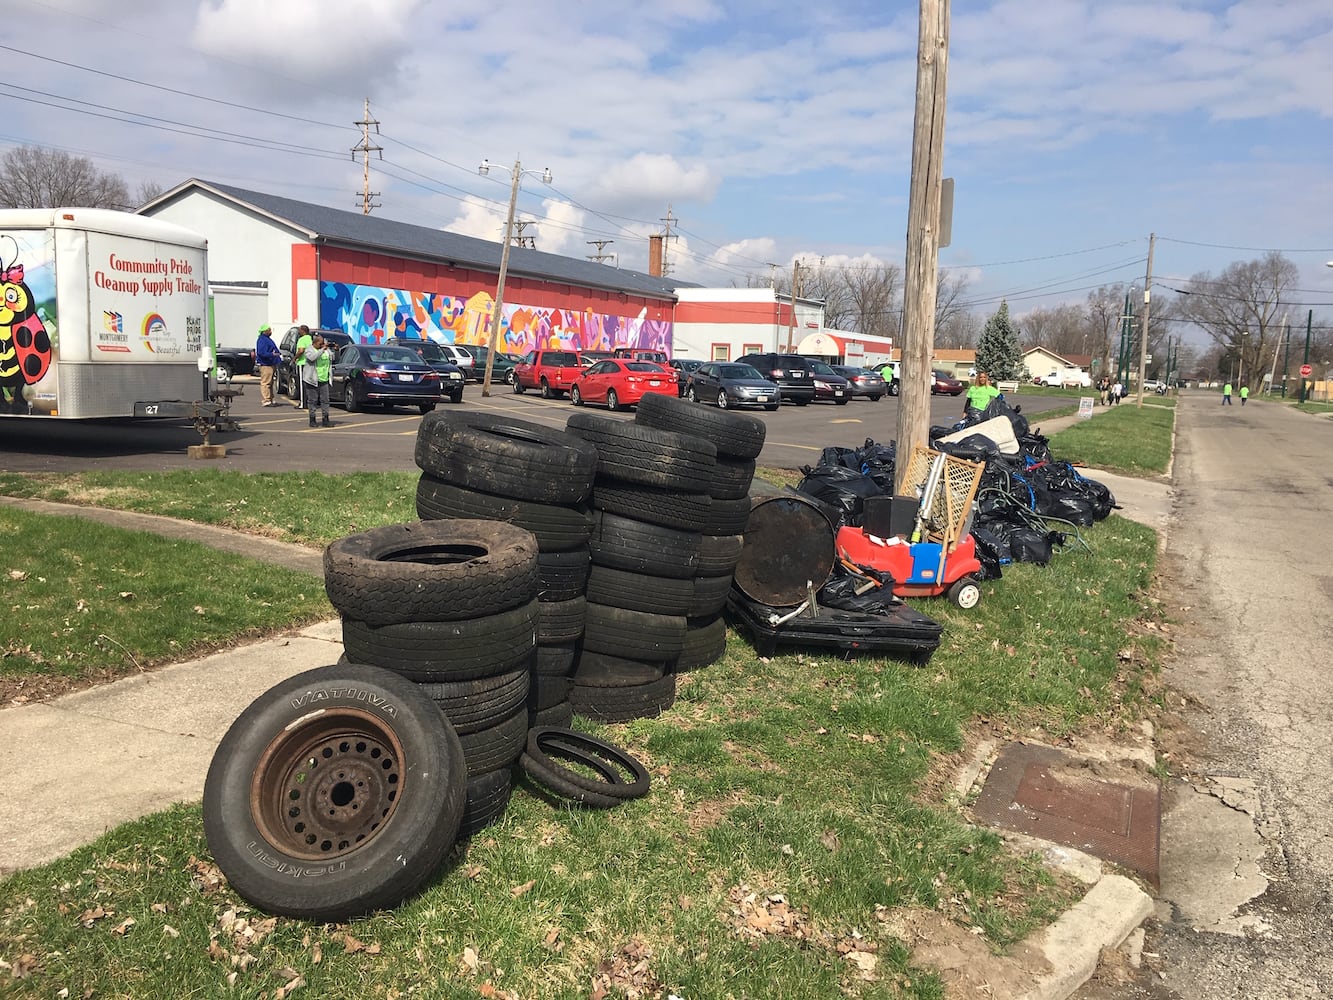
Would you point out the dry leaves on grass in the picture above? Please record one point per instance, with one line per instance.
(759, 916)
(628, 972)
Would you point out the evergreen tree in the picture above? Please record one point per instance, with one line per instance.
(998, 353)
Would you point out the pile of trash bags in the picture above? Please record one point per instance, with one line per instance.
(1024, 492)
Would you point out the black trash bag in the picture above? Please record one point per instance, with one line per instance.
(844, 458)
(973, 448)
(992, 553)
(841, 488)
(1065, 505)
(840, 592)
(997, 407)
(1035, 447)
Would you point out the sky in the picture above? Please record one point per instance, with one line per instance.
(766, 133)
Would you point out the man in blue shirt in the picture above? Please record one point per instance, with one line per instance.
(267, 357)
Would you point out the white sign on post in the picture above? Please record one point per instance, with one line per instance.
(1085, 408)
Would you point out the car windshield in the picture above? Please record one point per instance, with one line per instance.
(392, 355)
(560, 358)
(820, 368)
(429, 350)
(740, 371)
(644, 366)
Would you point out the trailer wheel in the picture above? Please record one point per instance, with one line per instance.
(965, 593)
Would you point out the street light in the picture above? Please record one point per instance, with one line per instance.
(1240, 368)
(518, 173)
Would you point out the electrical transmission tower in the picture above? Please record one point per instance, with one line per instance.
(601, 245)
(667, 237)
(365, 147)
(524, 241)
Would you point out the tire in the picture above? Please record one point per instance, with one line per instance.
(722, 401)
(518, 386)
(293, 387)
(554, 659)
(496, 747)
(546, 391)
(893, 388)
(546, 692)
(507, 457)
(801, 402)
(481, 704)
(509, 377)
(486, 801)
(841, 402)
(719, 554)
(425, 408)
(734, 435)
(771, 407)
(350, 403)
(710, 596)
(442, 652)
(726, 517)
(622, 704)
(363, 833)
(546, 746)
(561, 621)
(665, 508)
(731, 478)
(557, 527)
(456, 397)
(575, 397)
(704, 644)
(225, 372)
(553, 781)
(563, 576)
(557, 715)
(620, 588)
(635, 635)
(690, 394)
(965, 593)
(612, 401)
(604, 670)
(634, 453)
(431, 571)
(639, 547)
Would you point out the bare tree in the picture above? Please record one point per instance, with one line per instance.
(1241, 309)
(1105, 308)
(949, 309)
(874, 294)
(820, 282)
(31, 177)
(146, 192)
(1062, 329)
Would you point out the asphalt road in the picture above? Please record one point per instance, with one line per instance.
(277, 439)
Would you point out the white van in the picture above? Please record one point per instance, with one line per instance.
(1068, 377)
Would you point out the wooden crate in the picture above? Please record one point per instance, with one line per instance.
(953, 496)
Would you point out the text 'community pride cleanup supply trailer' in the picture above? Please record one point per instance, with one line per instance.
(102, 314)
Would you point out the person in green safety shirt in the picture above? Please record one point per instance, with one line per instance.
(1226, 394)
(298, 362)
(979, 395)
(1244, 394)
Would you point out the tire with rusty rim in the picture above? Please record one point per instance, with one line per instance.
(336, 792)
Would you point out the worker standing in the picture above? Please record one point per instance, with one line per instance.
(1226, 394)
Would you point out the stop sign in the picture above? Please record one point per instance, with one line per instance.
(1306, 370)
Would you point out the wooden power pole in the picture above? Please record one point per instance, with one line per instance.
(1143, 329)
(921, 273)
(365, 147)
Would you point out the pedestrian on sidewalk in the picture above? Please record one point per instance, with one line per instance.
(315, 376)
(1226, 394)
(1103, 389)
(1117, 390)
(268, 357)
(303, 343)
(1244, 394)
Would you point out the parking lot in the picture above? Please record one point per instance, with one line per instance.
(278, 439)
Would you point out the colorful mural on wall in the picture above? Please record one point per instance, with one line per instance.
(371, 314)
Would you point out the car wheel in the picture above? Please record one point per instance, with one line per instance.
(722, 401)
(425, 408)
(841, 402)
(771, 407)
(518, 386)
(362, 798)
(801, 402)
(293, 389)
(965, 593)
(691, 395)
(456, 397)
(224, 372)
(546, 390)
(509, 376)
(575, 397)
(350, 402)
(893, 389)
(612, 400)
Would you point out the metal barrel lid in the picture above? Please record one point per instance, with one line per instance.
(788, 543)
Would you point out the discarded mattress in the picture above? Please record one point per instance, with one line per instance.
(997, 429)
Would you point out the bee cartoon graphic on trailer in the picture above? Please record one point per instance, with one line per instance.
(25, 346)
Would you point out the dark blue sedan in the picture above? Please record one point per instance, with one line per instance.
(376, 375)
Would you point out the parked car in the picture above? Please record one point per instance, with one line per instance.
(549, 372)
(378, 375)
(732, 383)
(685, 367)
(502, 369)
(287, 377)
(621, 382)
(1152, 385)
(640, 354)
(451, 376)
(829, 385)
(942, 382)
(463, 358)
(863, 382)
(790, 371)
(233, 361)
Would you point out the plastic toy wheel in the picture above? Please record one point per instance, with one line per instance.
(965, 593)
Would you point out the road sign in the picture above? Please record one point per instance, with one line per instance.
(1305, 371)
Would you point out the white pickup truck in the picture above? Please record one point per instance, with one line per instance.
(1075, 377)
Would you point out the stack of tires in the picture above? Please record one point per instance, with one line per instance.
(490, 467)
(452, 606)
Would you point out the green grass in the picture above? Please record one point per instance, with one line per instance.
(797, 800)
(1125, 439)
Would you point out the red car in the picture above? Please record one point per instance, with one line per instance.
(942, 382)
(621, 382)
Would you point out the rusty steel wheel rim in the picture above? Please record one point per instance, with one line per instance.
(328, 785)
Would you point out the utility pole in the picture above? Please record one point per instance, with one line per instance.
(791, 303)
(1147, 308)
(667, 237)
(600, 245)
(365, 147)
(524, 241)
(921, 269)
(1309, 320)
(1286, 354)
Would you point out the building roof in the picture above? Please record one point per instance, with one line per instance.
(376, 233)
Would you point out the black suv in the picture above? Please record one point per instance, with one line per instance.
(287, 376)
(791, 371)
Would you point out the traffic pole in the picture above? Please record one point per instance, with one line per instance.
(1305, 365)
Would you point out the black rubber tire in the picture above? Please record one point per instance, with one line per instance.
(621, 588)
(350, 403)
(554, 659)
(547, 691)
(719, 554)
(705, 643)
(482, 703)
(632, 453)
(612, 401)
(431, 571)
(403, 818)
(731, 478)
(734, 435)
(563, 575)
(603, 670)
(635, 635)
(668, 508)
(425, 408)
(496, 747)
(546, 391)
(630, 544)
(710, 596)
(553, 781)
(560, 621)
(487, 799)
(726, 517)
(518, 386)
(622, 704)
(556, 527)
(546, 746)
(556, 715)
(575, 397)
(436, 652)
(506, 456)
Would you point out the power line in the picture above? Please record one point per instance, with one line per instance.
(1224, 246)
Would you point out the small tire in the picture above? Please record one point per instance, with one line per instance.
(547, 745)
(704, 644)
(561, 621)
(546, 391)
(482, 703)
(496, 746)
(563, 575)
(722, 402)
(350, 403)
(425, 408)
(965, 593)
(325, 815)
